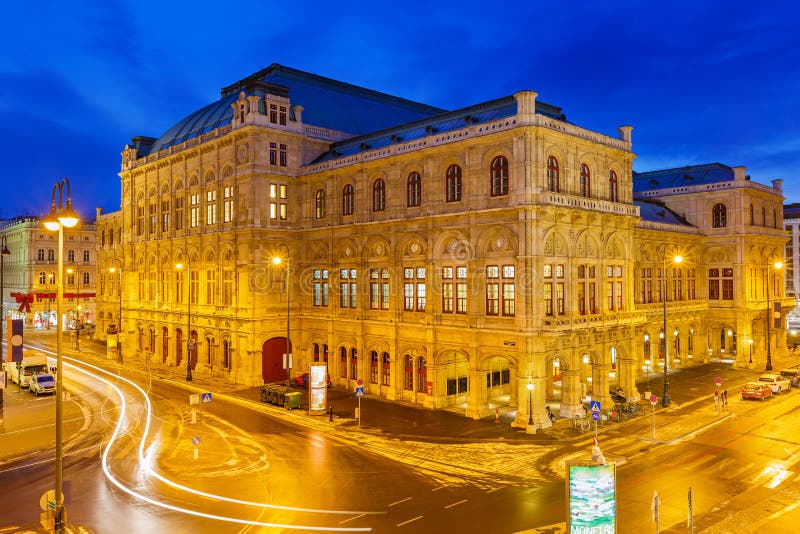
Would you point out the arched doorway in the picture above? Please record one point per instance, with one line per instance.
(178, 346)
(455, 368)
(498, 380)
(272, 352)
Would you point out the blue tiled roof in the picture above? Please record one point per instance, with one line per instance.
(327, 103)
(682, 177)
(657, 212)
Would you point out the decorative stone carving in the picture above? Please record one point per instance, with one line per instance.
(348, 251)
(379, 250)
(414, 247)
(241, 153)
(500, 243)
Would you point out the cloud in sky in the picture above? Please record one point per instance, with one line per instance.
(699, 81)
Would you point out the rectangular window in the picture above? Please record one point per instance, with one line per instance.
(727, 284)
(282, 156)
(320, 287)
(379, 289)
(414, 289)
(282, 115)
(273, 153)
(227, 204)
(277, 206)
(273, 113)
(140, 292)
(194, 287)
(548, 298)
(461, 290)
(211, 207)
(554, 293)
(353, 288)
(227, 287)
(179, 207)
(164, 286)
(492, 290)
(582, 298)
(153, 218)
(447, 290)
(139, 220)
(179, 287)
(509, 291)
(194, 211)
(211, 286)
(165, 215)
(713, 284)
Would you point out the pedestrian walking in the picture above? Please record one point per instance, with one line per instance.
(550, 415)
(716, 399)
(725, 399)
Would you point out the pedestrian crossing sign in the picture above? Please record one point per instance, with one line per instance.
(360, 391)
(205, 397)
(594, 406)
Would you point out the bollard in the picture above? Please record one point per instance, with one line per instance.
(497, 415)
(330, 413)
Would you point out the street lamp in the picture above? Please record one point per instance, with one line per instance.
(113, 270)
(60, 217)
(675, 260)
(78, 321)
(5, 252)
(770, 315)
(277, 260)
(189, 341)
(750, 342)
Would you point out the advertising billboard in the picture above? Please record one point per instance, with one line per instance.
(591, 498)
(318, 388)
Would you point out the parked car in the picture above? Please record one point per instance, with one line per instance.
(777, 383)
(42, 383)
(793, 375)
(302, 380)
(756, 390)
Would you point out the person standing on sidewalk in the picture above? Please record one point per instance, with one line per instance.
(725, 399)
(716, 400)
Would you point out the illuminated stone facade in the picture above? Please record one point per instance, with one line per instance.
(445, 258)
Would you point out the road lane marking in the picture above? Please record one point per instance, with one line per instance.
(440, 487)
(400, 501)
(455, 504)
(409, 521)
(495, 489)
(352, 518)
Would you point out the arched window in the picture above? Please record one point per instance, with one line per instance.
(422, 375)
(453, 183)
(51, 255)
(86, 256)
(414, 189)
(552, 175)
(42, 278)
(499, 176)
(347, 200)
(408, 373)
(353, 364)
(342, 362)
(752, 216)
(226, 354)
(325, 352)
(586, 184)
(379, 195)
(209, 350)
(613, 187)
(373, 367)
(387, 370)
(319, 204)
(71, 256)
(40, 255)
(719, 216)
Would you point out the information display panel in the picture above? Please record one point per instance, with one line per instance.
(591, 498)
(318, 388)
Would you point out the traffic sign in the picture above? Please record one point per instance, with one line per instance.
(596, 416)
(360, 391)
(196, 441)
(205, 397)
(594, 406)
(653, 400)
(48, 500)
(718, 380)
(194, 399)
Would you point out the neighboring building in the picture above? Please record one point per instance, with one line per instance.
(445, 258)
(30, 273)
(791, 220)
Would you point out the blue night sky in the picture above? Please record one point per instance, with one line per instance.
(700, 82)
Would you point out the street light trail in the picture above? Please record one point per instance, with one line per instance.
(118, 430)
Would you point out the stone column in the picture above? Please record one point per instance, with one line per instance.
(478, 404)
(600, 384)
(627, 379)
(570, 393)
(540, 418)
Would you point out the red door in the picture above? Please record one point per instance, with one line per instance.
(272, 360)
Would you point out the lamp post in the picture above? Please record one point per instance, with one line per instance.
(112, 270)
(676, 259)
(5, 252)
(288, 362)
(189, 341)
(770, 315)
(60, 217)
(750, 343)
(530, 403)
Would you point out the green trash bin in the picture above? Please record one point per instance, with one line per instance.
(292, 400)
